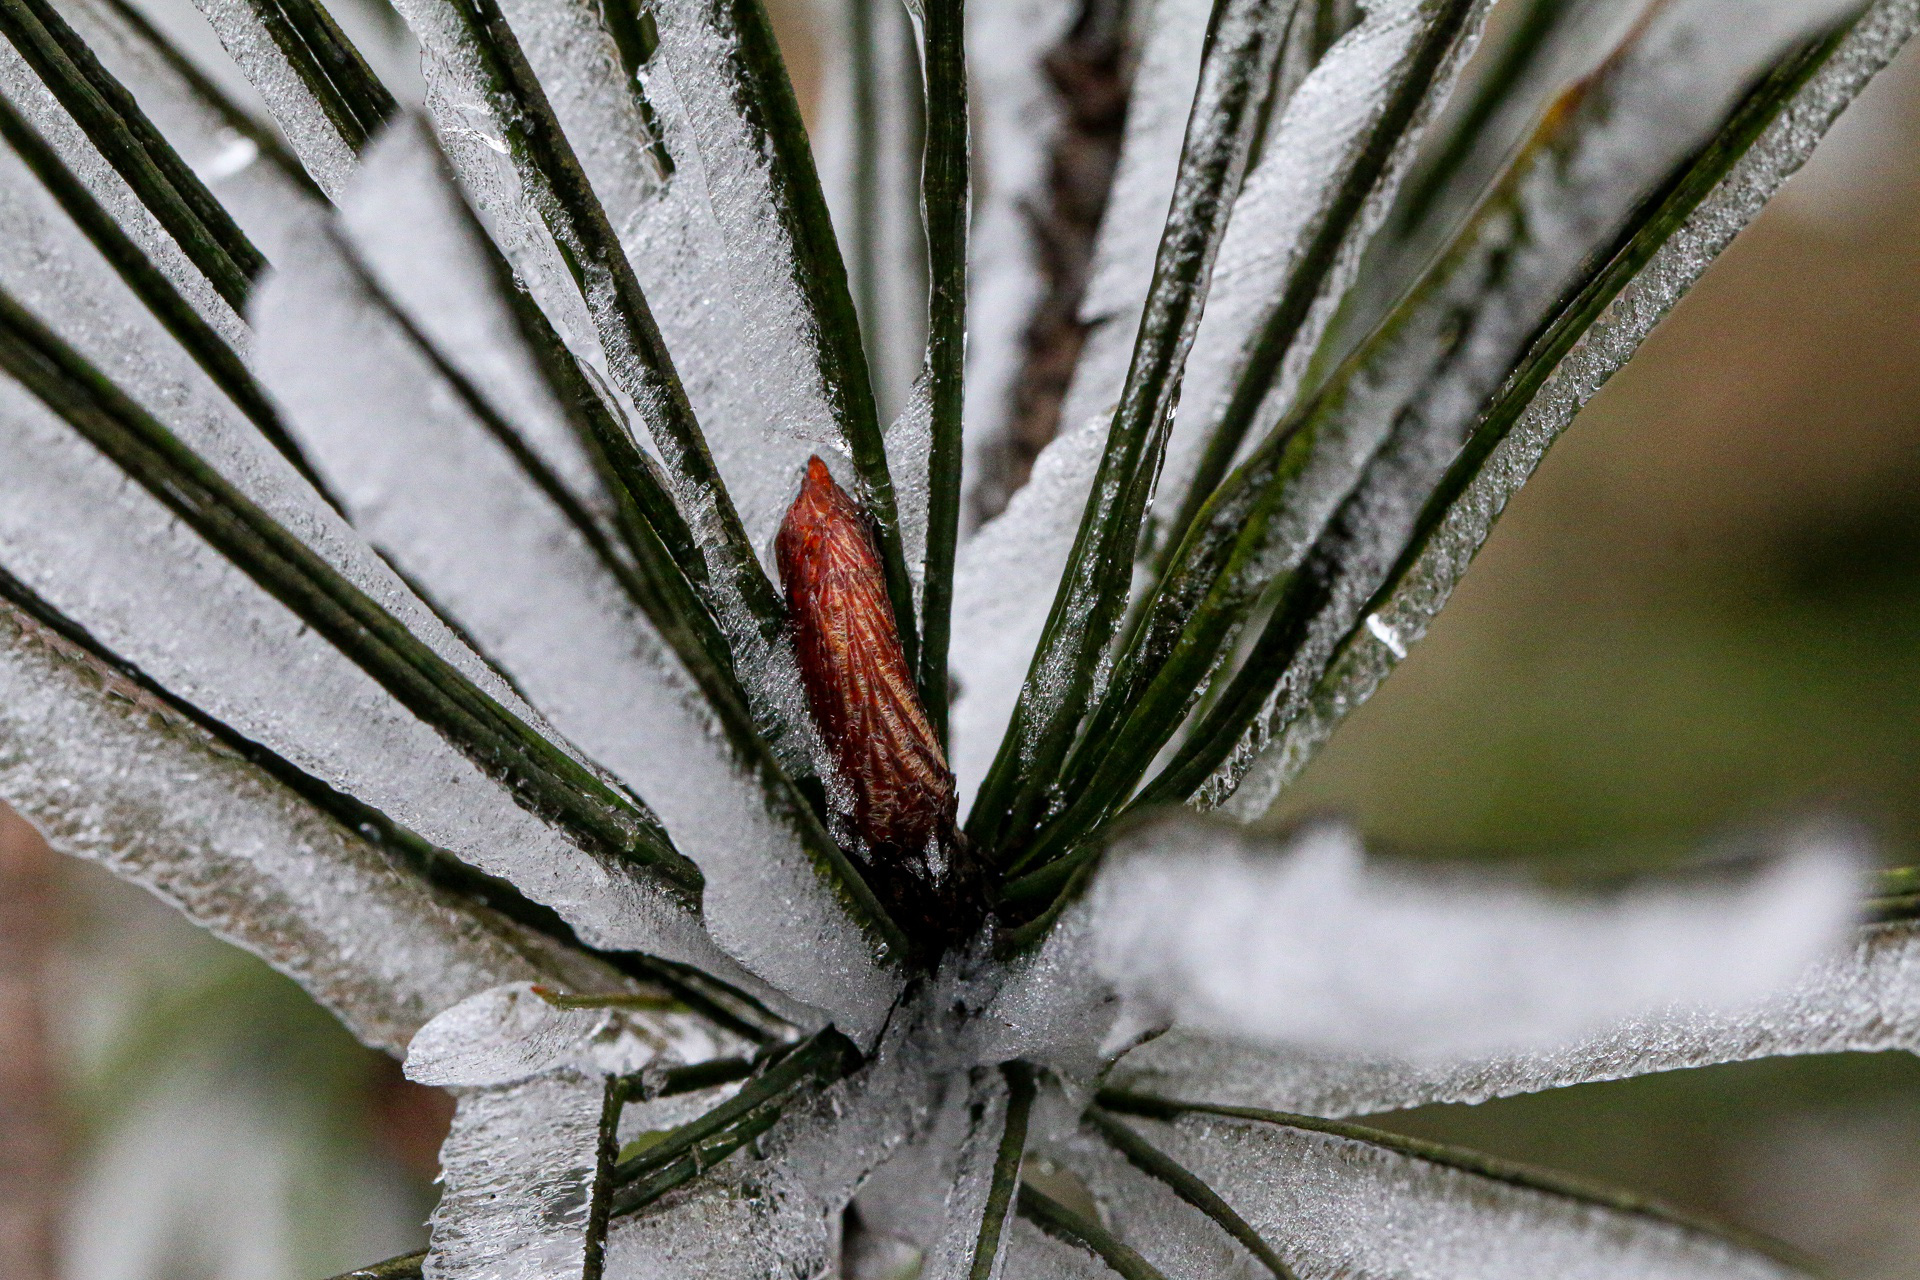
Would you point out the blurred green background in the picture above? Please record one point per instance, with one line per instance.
(1702, 616)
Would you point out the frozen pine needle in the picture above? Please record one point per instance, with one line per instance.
(382, 525)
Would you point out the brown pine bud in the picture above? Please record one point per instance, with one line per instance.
(862, 694)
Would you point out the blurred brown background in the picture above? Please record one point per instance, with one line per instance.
(1704, 614)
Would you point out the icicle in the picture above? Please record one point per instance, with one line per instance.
(516, 1169)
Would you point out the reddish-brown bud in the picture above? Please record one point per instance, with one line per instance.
(862, 694)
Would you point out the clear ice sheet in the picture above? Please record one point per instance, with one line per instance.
(516, 1171)
(1305, 945)
(1336, 1207)
(424, 479)
(1865, 1000)
(513, 1032)
(1418, 594)
(109, 773)
(1317, 140)
(327, 155)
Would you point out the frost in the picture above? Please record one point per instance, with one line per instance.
(111, 773)
(430, 481)
(1441, 555)
(1003, 587)
(513, 1032)
(1336, 1206)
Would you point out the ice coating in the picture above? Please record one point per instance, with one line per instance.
(1137, 208)
(402, 211)
(111, 773)
(1431, 207)
(735, 365)
(1436, 566)
(315, 137)
(1157, 113)
(932, 1193)
(802, 399)
(1347, 477)
(1334, 1206)
(1173, 1235)
(1303, 945)
(159, 596)
(469, 128)
(1865, 1000)
(47, 265)
(909, 444)
(1317, 141)
(1015, 116)
(264, 196)
(776, 1209)
(519, 1030)
(1032, 1254)
(1003, 586)
(515, 1172)
(425, 478)
(37, 105)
